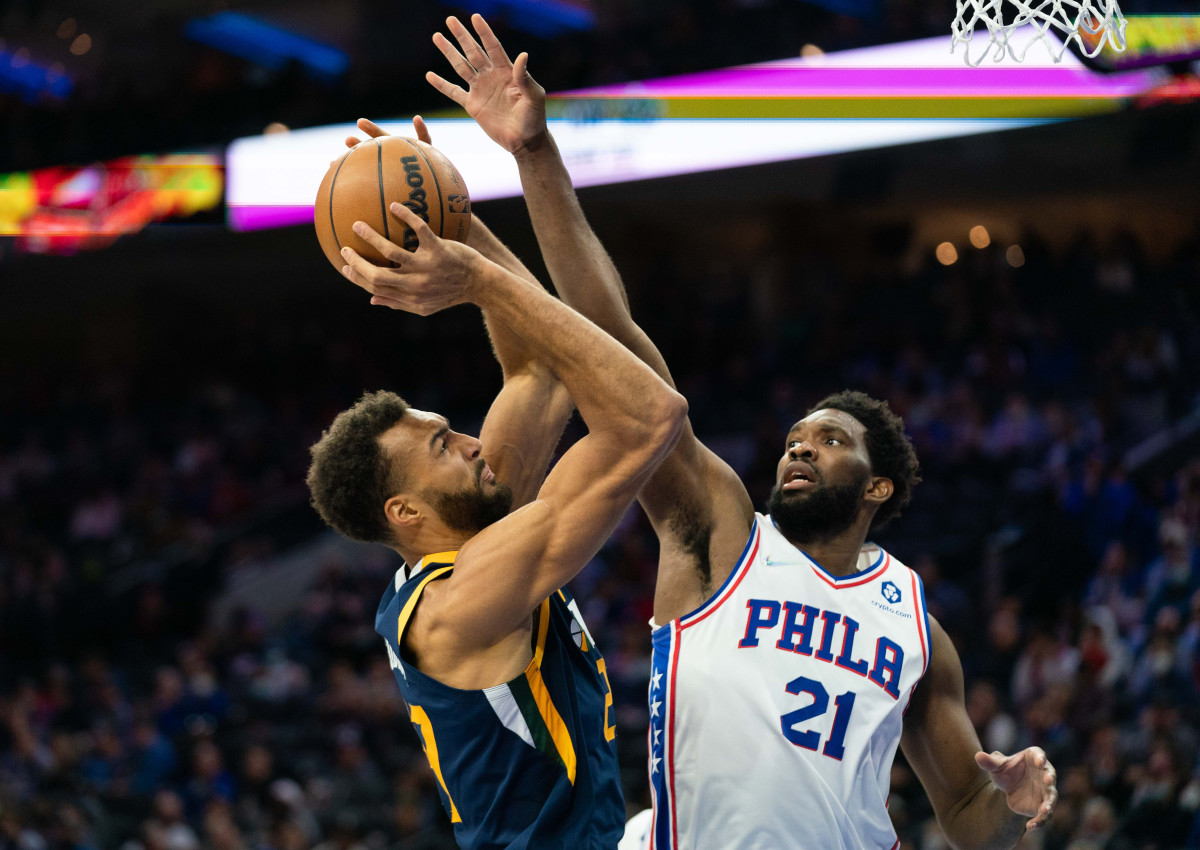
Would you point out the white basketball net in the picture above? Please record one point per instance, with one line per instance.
(1089, 23)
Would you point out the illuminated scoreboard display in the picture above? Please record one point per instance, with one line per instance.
(769, 112)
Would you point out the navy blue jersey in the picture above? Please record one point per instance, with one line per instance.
(531, 763)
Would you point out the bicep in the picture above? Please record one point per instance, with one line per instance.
(939, 740)
(522, 430)
(692, 481)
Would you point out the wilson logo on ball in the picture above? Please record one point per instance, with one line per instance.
(367, 180)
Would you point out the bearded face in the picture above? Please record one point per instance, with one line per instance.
(475, 507)
(819, 512)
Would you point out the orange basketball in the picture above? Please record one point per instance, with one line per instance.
(368, 178)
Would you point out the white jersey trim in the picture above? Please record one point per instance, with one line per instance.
(922, 618)
(854, 579)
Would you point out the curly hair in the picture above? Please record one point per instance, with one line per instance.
(350, 477)
(889, 448)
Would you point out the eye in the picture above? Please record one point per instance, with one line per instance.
(833, 441)
(793, 443)
(445, 443)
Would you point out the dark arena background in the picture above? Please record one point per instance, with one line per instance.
(187, 656)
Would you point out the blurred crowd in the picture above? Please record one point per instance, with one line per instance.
(1056, 532)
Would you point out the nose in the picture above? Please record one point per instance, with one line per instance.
(472, 447)
(804, 449)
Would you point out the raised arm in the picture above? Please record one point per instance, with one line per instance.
(526, 421)
(511, 351)
(633, 417)
(981, 800)
(510, 107)
(697, 504)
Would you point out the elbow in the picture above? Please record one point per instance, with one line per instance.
(665, 419)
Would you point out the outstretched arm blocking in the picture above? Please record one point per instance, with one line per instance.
(697, 504)
(510, 106)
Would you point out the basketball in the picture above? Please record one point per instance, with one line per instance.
(368, 178)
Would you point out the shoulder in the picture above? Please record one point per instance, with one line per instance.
(404, 596)
(388, 601)
(396, 598)
(943, 655)
(942, 680)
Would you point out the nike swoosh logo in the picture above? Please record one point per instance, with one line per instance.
(771, 563)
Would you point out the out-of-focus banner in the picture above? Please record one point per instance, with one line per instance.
(774, 111)
(1150, 40)
(67, 209)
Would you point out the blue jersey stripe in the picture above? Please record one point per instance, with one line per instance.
(659, 696)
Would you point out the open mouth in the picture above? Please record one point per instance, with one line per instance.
(798, 479)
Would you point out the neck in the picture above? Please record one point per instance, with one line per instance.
(428, 544)
(838, 554)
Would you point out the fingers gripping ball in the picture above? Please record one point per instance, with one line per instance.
(367, 179)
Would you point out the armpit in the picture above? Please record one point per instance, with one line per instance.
(692, 530)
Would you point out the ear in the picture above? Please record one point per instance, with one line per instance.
(403, 514)
(879, 490)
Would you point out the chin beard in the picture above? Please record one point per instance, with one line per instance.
(472, 510)
(824, 513)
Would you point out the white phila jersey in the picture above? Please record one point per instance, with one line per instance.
(776, 706)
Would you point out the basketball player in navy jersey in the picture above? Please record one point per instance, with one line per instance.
(504, 686)
(740, 758)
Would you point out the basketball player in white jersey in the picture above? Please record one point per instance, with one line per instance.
(791, 657)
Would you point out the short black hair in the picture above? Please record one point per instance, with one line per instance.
(351, 477)
(888, 446)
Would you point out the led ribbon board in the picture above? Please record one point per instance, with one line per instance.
(770, 112)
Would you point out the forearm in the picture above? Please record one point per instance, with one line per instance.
(511, 351)
(984, 822)
(581, 269)
(982, 800)
(612, 390)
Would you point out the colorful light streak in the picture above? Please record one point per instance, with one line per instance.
(790, 109)
(265, 44)
(63, 210)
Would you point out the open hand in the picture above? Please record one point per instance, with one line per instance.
(1027, 779)
(501, 95)
(439, 274)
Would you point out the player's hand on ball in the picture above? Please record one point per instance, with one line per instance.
(439, 274)
(374, 131)
(501, 95)
(1029, 781)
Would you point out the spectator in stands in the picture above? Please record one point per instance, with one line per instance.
(110, 692)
